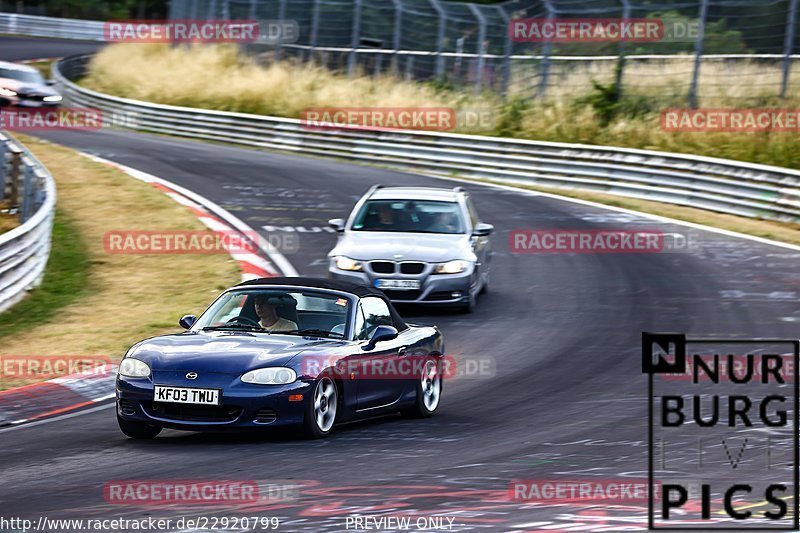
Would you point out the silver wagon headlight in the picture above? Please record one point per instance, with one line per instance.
(451, 267)
(345, 263)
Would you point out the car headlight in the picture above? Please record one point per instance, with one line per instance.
(54, 98)
(279, 375)
(451, 267)
(7, 92)
(133, 368)
(345, 263)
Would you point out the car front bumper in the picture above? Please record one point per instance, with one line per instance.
(435, 289)
(28, 103)
(243, 405)
(36, 104)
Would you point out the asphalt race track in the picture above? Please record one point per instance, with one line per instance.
(564, 332)
(19, 48)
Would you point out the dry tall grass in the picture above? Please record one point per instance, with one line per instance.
(721, 82)
(216, 77)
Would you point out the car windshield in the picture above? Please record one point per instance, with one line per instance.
(21, 75)
(411, 216)
(284, 311)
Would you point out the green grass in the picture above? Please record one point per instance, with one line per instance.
(65, 281)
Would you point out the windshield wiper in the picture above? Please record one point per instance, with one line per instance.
(311, 333)
(244, 327)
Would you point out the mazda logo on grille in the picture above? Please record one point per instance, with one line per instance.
(191, 375)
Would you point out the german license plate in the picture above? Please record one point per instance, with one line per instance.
(398, 284)
(164, 393)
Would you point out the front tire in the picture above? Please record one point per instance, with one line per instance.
(137, 430)
(321, 409)
(429, 391)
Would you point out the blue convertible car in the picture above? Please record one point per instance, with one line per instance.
(279, 352)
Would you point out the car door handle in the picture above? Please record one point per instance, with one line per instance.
(403, 350)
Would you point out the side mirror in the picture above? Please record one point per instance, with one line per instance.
(187, 321)
(482, 230)
(381, 333)
(337, 224)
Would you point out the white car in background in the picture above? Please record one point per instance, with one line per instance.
(24, 86)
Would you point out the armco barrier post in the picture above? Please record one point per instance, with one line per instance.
(3, 167)
(28, 190)
(14, 174)
(39, 190)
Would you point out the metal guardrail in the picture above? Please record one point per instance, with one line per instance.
(720, 185)
(37, 26)
(28, 187)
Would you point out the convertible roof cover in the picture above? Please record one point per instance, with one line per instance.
(334, 285)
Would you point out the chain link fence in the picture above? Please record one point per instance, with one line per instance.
(727, 50)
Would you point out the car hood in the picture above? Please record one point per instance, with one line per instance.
(223, 351)
(428, 247)
(27, 87)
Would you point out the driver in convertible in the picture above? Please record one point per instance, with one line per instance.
(268, 315)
